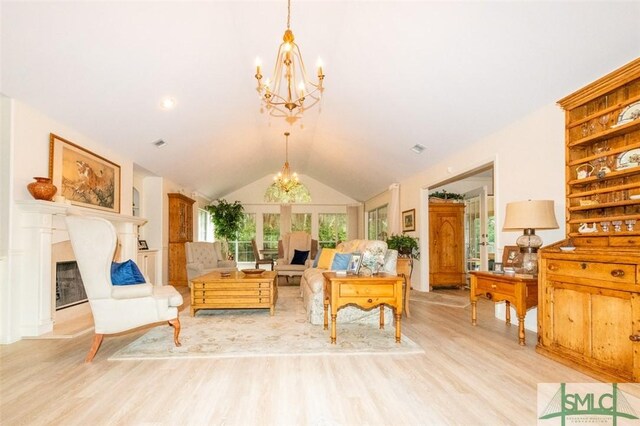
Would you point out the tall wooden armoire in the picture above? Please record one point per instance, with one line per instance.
(446, 245)
(589, 296)
(180, 232)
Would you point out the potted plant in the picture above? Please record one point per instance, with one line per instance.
(446, 197)
(227, 220)
(407, 246)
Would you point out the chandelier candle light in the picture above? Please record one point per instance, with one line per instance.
(529, 216)
(285, 96)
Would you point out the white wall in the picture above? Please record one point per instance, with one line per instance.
(529, 164)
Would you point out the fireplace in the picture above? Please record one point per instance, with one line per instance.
(69, 287)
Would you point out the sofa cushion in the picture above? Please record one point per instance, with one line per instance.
(326, 258)
(299, 257)
(126, 273)
(341, 261)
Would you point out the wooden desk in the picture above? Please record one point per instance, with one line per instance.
(366, 292)
(522, 292)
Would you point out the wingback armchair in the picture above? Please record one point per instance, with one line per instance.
(116, 308)
(203, 257)
(287, 246)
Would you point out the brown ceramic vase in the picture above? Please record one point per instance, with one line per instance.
(42, 189)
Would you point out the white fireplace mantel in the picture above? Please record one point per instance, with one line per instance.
(39, 223)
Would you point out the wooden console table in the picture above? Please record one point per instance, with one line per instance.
(522, 292)
(366, 292)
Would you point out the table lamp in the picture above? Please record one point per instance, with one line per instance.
(529, 216)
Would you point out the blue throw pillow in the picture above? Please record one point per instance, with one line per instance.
(341, 262)
(126, 273)
(315, 261)
(299, 257)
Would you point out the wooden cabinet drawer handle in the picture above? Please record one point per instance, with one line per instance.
(583, 265)
(489, 296)
(553, 267)
(635, 337)
(617, 273)
(370, 300)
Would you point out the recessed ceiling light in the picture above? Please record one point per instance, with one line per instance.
(417, 148)
(160, 143)
(168, 103)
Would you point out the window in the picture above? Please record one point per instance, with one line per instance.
(333, 228)
(377, 221)
(205, 226)
(301, 222)
(242, 245)
(270, 230)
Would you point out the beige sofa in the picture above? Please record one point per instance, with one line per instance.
(311, 286)
(203, 257)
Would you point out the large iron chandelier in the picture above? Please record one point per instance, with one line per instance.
(286, 94)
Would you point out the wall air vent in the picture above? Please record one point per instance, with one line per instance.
(160, 143)
(417, 148)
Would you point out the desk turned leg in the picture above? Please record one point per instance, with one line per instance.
(521, 329)
(507, 315)
(334, 317)
(474, 315)
(398, 327)
(326, 314)
(381, 317)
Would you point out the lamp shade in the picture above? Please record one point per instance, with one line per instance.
(534, 214)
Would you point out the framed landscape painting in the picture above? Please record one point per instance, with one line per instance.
(409, 220)
(82, 177)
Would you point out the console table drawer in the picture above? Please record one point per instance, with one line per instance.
(620, 272)
(484, 285)
(377, 290)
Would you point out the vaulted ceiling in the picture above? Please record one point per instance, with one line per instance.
(442, 74)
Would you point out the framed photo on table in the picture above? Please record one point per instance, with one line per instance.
(354, 263)
(82, 177)
(409, 220)
(511, 257)
(142, 245)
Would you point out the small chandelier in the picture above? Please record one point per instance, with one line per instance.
(287, 98)
(286, 180)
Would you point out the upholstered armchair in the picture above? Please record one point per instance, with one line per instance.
(116, 308)
(287, 246)
(203, 257)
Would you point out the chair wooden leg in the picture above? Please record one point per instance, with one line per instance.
(176, 331)
(95, 345)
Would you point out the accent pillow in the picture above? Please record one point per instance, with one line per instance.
(299, 257)
(315, 261)
(326, 258)
(341, 262)
(126, 273)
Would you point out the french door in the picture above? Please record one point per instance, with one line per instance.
(476, 230)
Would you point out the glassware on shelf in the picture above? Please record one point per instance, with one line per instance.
(617, 225)
(605, 226)
(604, 120)
(630, 224)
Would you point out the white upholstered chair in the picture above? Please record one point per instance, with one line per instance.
(287, 246)
(116, 308)
(203, 257)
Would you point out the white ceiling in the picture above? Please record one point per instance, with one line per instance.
(442, 74)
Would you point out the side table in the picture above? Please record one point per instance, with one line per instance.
(521, 291)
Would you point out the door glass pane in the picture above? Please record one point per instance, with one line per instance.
(270, 230)
(301, 222)
(332, 228)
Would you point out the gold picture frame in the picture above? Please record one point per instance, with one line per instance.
(409, 220)
(82, 177)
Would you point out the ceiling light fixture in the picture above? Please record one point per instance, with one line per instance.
(168, 103)
(159, 143)
(286, 186)
(285, 95)
(417, 148)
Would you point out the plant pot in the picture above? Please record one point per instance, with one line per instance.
(42, 189)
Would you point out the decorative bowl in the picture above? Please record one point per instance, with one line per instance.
(252, 271)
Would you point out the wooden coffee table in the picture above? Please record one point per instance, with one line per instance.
(237, 291)
(366, 292)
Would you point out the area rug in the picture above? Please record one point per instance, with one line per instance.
(451, 300)
(254, 333)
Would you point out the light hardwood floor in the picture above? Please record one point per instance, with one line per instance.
(468, 375)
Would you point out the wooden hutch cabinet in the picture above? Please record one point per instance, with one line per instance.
(589, 298)
(446, 245)
(180, 232)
